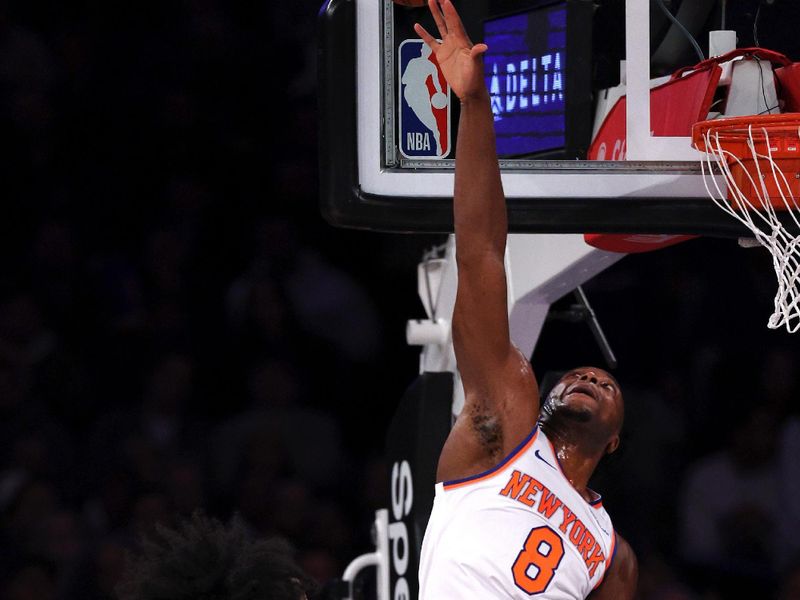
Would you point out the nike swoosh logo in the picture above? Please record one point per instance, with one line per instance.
(539, 456)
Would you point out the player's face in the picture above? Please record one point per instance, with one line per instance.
(589, 394)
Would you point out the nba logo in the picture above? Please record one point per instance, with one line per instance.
(424, 103)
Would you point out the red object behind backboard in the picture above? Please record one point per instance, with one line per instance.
(789, 78)
(675, 107)
(633, 244)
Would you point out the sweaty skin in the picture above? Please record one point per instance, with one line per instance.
(583, 414)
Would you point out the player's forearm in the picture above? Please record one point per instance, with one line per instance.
(479, 208)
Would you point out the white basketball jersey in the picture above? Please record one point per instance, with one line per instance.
(515, 531)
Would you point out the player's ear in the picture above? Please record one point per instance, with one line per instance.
(612, 445)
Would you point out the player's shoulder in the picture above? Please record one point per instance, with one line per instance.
(625, 565)
(621, 578)
(625, 551)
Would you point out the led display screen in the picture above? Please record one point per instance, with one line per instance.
(525, 70)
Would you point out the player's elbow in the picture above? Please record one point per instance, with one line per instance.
(477, 258)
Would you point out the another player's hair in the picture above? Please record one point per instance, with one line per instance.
(203, 559)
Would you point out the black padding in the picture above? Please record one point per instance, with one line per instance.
(416, 435)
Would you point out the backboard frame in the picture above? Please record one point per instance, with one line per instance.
(360, 191)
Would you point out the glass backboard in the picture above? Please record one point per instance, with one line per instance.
(593, 130)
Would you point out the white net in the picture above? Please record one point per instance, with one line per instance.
(758, 192)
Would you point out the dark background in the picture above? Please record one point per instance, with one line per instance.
(179, 328)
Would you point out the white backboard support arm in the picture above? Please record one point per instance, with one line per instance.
(540, 269)
(641, 144)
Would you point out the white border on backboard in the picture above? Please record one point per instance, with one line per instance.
(636, 177)
(641, 144)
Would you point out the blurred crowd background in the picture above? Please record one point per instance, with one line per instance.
(180, 329)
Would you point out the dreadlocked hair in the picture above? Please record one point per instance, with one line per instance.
(202, 559)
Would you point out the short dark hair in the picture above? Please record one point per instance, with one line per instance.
(203, 559)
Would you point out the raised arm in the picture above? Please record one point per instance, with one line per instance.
(501, 394)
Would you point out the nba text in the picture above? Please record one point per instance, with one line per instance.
(418, 141)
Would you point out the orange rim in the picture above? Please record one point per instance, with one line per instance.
(740, 129)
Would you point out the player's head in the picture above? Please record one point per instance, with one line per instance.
(203, 558)
(589, 398)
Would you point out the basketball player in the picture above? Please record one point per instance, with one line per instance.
(513, 515)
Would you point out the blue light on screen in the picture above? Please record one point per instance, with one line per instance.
(525, 67)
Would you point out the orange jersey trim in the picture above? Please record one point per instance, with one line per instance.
(611, 552)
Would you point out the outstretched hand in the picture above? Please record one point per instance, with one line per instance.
(459, 59)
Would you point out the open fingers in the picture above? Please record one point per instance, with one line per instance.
(426, 37)
(452, 20)
(477, 50)
(438, 17)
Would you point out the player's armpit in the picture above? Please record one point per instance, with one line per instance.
(499, 384)
(621, 579)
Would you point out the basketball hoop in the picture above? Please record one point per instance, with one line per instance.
(759, 157)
